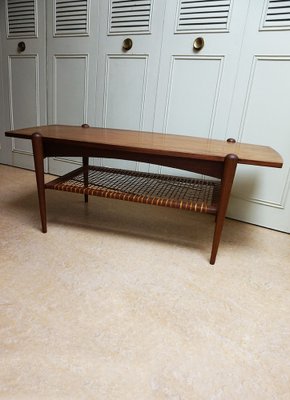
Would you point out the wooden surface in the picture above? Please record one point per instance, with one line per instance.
(156, 143)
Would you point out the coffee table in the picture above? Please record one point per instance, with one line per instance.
(216, 159)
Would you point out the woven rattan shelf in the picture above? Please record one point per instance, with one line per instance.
(163, 190)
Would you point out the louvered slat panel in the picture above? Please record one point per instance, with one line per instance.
(278, 14)
(21, 18)
(203, 15)
(71, 17)
(130, 16)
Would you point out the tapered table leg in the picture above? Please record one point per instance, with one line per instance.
(230, 165)
(86, 175)
(38, 155)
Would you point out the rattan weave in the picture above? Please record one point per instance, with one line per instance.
(164, 190)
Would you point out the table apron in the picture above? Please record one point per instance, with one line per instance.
(201, 166)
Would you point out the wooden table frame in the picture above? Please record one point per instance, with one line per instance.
(214, 158)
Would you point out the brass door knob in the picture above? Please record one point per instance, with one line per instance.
(198, 44)
(127, 44)
(21, 47)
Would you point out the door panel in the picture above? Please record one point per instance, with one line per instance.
(199, 62)
(119, 84)
(127, 113)
(70, 89)
(127, 16)
(70, 18)
(72, 46)
(24, 68)
(185, 83)
(260, 114)
(203, 16)
(128, 78)
(191, 101)
(205, 37)
(23, 84)
(70, 100)
(21, 19)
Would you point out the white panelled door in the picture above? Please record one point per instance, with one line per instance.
(131, 38)
(24, 69)
(72, 48)
(199, 62)
(260, 114)
(200, 56)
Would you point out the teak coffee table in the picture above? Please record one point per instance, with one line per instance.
(213, 158)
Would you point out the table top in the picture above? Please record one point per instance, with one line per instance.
(155, 143)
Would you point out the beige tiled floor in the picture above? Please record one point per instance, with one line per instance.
(118, 301)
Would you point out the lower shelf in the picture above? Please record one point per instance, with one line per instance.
(163, 190)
